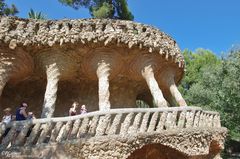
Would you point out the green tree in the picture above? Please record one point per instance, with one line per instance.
(115, 9)
(6, 10)
(195, 62)
(214, 84)
(228, 101)
(35, 15)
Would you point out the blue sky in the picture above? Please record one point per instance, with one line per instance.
(209, 24)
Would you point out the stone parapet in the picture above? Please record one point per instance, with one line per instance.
(188, 130)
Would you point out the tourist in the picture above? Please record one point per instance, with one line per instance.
(7, 118)
(72, 112)
(73, 109)
(21, 113)
(83, 109)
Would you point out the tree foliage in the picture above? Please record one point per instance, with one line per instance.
(6, 10)
(214, 83)
(195, 63)
(35, 15)
(115, 9)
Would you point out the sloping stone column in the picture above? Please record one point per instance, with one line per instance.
(103, 85)
(50, 97)
(156, 92)
(169, 81)
(177, 95)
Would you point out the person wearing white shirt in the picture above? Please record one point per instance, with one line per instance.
(7, 118)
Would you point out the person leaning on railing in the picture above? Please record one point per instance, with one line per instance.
(73, 109)
(21, 113)
(83, 109)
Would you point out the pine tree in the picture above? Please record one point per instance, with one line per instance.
(114, 9)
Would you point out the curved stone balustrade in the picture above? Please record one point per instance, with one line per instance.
(108, 123)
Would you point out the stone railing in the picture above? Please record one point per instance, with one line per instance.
(113, 122)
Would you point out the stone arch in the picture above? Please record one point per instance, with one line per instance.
(215, 148)
(156, 151)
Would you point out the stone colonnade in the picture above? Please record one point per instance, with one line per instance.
(103, 67)
(77, 38)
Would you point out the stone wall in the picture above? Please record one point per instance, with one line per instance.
(182, 144)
